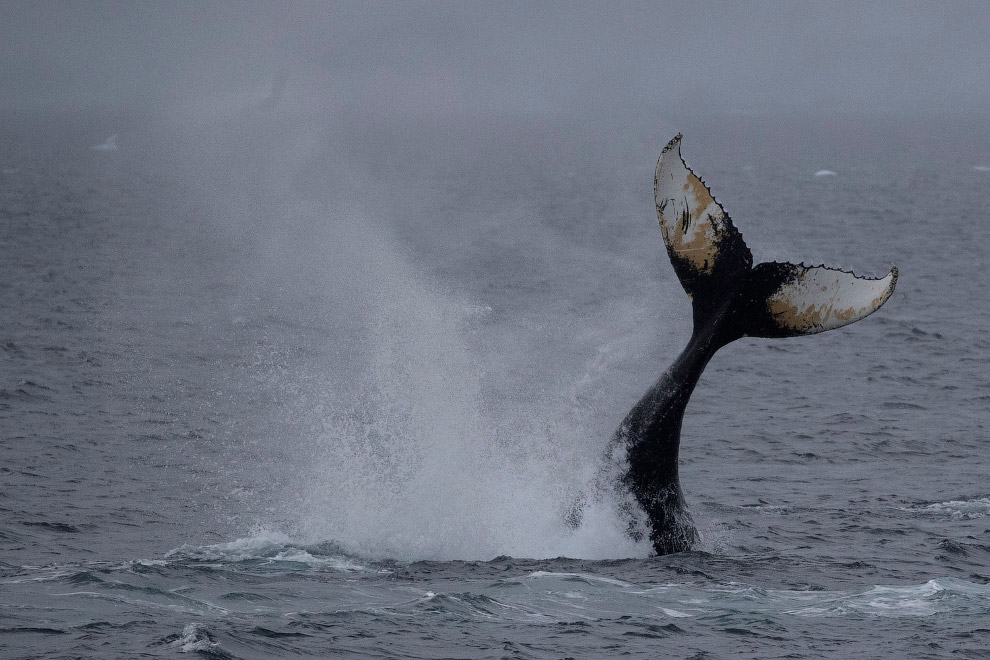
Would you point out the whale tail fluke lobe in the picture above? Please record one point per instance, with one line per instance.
(792, 300)
(705, 248)
(715, 268)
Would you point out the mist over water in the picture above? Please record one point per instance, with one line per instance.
(409, 446)
(405, 458)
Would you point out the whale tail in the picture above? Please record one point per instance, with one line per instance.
(715, 267)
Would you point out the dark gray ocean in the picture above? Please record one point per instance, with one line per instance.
(292, 386)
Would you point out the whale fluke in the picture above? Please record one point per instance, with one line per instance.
(713, 263)
(731, 299)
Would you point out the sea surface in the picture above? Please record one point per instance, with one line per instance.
(278, 385)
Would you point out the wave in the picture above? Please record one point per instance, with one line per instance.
(938, 596)
(588, 578)
(196, 638)
(942, 595)
(956, 509)
(272, 549)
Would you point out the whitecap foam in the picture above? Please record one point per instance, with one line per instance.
(956, 509)
(982, 168)
(196, 639)
(149, 562)
(825, 173)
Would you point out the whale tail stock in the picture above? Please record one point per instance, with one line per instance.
(716, 269)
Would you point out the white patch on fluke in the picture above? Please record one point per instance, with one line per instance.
(691, 221)
(819, 299)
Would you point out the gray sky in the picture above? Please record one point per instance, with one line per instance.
(889, 57)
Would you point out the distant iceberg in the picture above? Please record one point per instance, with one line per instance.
(982, 168)
(109, 145)
(825, 173)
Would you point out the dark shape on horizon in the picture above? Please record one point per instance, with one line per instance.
(731, 299)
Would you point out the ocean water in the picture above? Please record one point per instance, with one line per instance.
(287, 386)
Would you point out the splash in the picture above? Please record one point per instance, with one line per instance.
(410, 455)
(196, 638)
